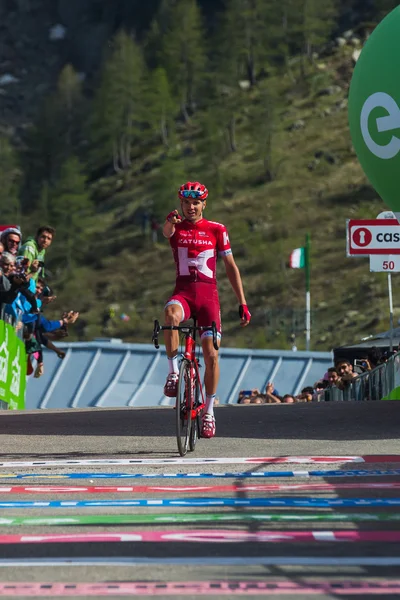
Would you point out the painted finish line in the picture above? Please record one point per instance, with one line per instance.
(205, 535)
(296, 502)
(151, 489)
(203, 588)
(239, 475)
(194, 518)
(371, 458)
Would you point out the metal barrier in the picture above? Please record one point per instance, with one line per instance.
(377, 384)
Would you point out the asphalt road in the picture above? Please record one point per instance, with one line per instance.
(269, 432)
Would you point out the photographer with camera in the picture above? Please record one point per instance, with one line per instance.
(15, 273)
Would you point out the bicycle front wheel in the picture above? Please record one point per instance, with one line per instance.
(196, 424)
(183, 406)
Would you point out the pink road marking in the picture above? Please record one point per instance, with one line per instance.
(148, 489)
(207, 535)
(368, 458)
(204, 588)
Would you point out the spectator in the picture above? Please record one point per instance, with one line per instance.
(306, 394)
(288, 399)
(346, 375)
(244, 400)
(19, 285)
(257, 400)
(332, 375)
(1, 248)
(11, 240)
(319, 388)
(35, 250)
(374, 358)
(271, 395)
(248, 393)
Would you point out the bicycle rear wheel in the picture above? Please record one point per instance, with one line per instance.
(196, 424)
(183, 406)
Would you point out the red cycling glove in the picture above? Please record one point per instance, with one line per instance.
(244, 313)
(172, 214)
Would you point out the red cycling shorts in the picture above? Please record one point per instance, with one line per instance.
(198, 300)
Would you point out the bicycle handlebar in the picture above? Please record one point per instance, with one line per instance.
(184, 329)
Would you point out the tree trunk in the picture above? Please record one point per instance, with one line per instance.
(116, 166)
(232, 133)
(251, 70)
(185, 112)
(164, 131)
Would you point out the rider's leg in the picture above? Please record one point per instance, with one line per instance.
(174, 313)
(211, 376)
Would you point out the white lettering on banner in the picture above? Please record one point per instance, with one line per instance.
(390, 122)
(199, 262)
(16, 374)
(4, 355)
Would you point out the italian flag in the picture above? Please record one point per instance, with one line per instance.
(297, 258)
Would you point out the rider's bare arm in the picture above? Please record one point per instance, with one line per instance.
(234, 277)
(169, 226)
(168, 229)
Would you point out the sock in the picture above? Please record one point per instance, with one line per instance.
(173, 364)
(210, 404)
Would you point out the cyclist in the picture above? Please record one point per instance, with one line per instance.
(196, 244)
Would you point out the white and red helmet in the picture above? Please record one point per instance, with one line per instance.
(193, 189)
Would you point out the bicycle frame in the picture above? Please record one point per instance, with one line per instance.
(189, 353)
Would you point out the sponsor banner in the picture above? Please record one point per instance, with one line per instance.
(12, 368)
(194, 518)
(243, 475)
(277, 502)
(393, 458)
(205, 535)
(152, 489)
(201, 588)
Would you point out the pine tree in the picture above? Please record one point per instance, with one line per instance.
(318, 21)
(118, 105)
(264, 123)
(246, 36)
(69, 209)
(161, 108)
(56, 134)
(70, 105)
(9, 189)
(166, 183)
(183, 50)
(213, 148)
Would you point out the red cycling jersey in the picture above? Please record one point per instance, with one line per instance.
(196, 247)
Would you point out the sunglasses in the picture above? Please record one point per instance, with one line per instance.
(13, 242)
(191, 194)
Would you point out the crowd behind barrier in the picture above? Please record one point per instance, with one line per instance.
(374, 377)
(24, 294)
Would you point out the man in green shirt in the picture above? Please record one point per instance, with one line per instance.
(35, 250)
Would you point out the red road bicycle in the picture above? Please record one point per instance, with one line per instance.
(189, 398)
